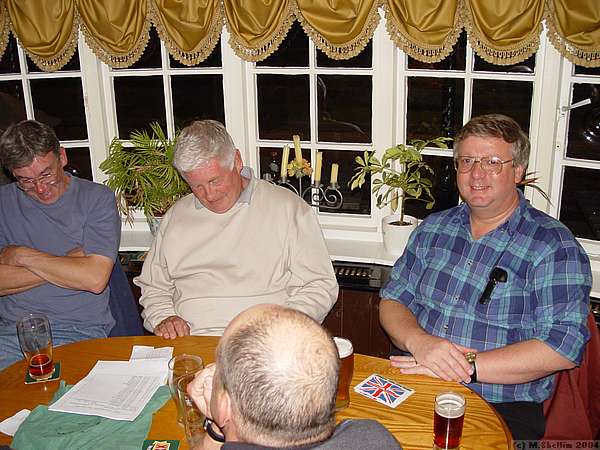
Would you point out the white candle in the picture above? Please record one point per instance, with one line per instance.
(318, 165)
(284, 161)
(297, 149)
(334, 174)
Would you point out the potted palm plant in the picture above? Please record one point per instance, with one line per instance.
(399, 176)
(142, 175)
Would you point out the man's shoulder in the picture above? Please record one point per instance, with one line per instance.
(541, 227)
(277, 198)
(361, 434)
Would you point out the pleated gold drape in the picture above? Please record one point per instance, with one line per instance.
(501, 32)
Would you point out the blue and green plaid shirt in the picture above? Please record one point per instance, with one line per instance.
(443, 272)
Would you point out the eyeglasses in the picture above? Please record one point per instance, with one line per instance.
(29, 184)
(489, 164)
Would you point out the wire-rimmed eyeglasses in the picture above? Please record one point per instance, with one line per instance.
(29, 184)
(489, 164)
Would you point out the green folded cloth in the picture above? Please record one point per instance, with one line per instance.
(50, 430)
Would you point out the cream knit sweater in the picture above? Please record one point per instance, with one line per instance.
(207, 267)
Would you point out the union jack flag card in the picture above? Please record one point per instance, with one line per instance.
(383, 390)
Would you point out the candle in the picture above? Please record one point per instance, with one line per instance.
(284, 161)
(334, 174)
(318, 165)
(297, 149)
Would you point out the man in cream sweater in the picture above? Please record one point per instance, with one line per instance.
(235, 242)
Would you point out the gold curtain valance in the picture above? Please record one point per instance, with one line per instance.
(117, 31)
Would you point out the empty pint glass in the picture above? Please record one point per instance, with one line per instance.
(448, 420)
(35, 339)
(346, 352)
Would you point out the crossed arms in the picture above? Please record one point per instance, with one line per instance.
(23, 268)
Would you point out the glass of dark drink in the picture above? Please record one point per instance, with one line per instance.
(35, 339)
(346, 352)
(448, 420)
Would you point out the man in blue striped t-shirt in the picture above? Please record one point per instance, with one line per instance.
(495, 278)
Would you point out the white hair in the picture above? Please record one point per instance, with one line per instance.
(200, 142)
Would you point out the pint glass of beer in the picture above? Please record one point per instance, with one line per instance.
(448, 420)
(182, 366)
(35, 339)
(346, 352)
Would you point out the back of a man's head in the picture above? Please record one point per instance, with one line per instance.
(23, 141)
(280, 369)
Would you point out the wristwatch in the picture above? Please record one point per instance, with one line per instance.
(471, 357)
(214, 435)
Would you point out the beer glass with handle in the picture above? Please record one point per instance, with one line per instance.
(346, 352)
(448, 418)
(181, 366)
(35, 339)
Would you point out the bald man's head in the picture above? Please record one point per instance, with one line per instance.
(280, 369)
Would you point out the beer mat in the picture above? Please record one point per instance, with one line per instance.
(55, 375)
(383, 390)
(154, 444)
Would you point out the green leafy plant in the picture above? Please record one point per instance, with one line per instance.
(401, 174)
(142, 176)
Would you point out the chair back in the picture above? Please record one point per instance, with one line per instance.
(573, 410)
(123, 305)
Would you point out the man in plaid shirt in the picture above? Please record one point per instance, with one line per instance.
(493, 278)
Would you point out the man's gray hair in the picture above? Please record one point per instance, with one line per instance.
(200, 142)
(23, 141)
(498, 126)
(281, 373)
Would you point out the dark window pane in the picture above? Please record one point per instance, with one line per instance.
(363, 59)
(584, 124)
(283, 106)
(269, 165)
(527, 66)
(59, 103)
(79, 162)
(197, 97)
(73, 64)
(12, 105)
(454, 61)
(357, 201)
(151, 58)
(343, 117)
(139, 101)
(10, 60)
(293, 51)
(213, 60)
(512, 98)
(435, 107)
(580, 70)
(444, 188)
(580, 203)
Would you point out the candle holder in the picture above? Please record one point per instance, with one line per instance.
(286, 184)
(327, 198)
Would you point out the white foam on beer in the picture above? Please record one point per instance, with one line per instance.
(344, 347)
(449, 406)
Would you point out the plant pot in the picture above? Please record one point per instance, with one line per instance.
(154, 224)
(395, 236)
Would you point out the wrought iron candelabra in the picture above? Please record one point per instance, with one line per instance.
(316, 194)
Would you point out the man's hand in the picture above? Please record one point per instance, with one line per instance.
(200, 389)
(9, 255)
(172, 327)
(442, 357)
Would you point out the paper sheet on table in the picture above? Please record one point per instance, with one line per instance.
(10, 425)
(114, 389)
(146, 352)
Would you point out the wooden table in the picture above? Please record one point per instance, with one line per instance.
(411, 422)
